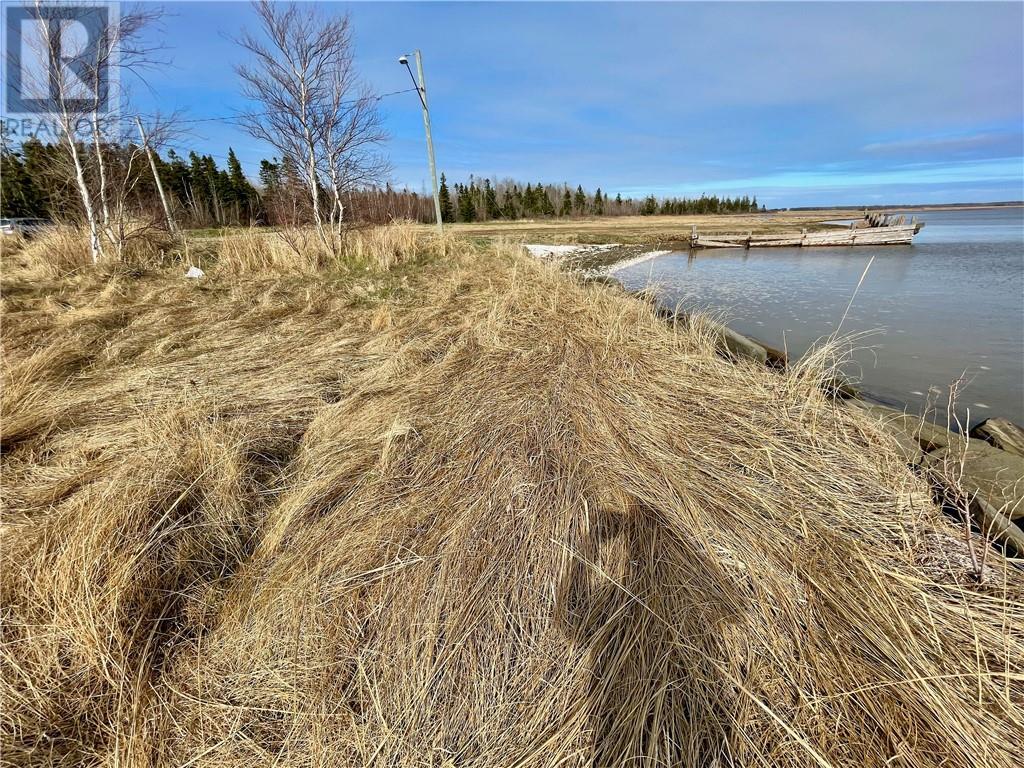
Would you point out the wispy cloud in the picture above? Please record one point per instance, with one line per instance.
(939, 143)
(986, 172)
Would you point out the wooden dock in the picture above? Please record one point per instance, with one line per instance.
(874, 229)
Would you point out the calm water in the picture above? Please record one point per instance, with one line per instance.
(950, 305)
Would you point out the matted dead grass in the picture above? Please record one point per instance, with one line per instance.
(477, 515)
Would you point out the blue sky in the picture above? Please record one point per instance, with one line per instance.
(798, 103)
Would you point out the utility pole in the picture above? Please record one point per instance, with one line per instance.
(156, 176)
(421, 89)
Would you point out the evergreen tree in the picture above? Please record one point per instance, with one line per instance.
(618, 201)
(217, 184)
(56, 197)
(566, 209)
(580, 200)
(529, 205)
(447, 214)
(491, 201)
(19, 195)
(544, 205)
(598, 203)
(508, 206)
(270, 176)
(467, 210)
(236, 178)
(198, 192)
(174, 174)
(240, 191)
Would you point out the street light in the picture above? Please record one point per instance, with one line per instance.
(421, 89)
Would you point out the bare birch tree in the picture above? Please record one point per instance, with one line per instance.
(315, 111)
(127, 163)
(352, 135)
(68, 96)
(120, 44)
(79, 87)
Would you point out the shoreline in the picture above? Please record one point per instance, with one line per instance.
(603, 262)
(611, 269)
(651, 230)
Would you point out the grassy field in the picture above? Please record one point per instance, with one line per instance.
(643, 229)
(428, 503)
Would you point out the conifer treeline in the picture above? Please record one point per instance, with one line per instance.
(483, 201)
(33, 184)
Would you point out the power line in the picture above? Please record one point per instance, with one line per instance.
(239, 117)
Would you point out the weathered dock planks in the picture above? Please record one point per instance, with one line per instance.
(882, 233)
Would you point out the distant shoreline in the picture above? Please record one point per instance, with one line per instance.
(920, 207)
(666, 231)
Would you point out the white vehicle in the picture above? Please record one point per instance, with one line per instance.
(23, 227)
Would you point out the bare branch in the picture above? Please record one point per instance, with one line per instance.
(314, 109)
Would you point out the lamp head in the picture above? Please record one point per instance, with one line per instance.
(403, 59)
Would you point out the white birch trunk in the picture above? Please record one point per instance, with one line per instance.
(108, 229)
(95, 246)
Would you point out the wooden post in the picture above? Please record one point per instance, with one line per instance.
(156, 176)
(693, 237)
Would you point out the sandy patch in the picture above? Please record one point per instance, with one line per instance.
(561, 252)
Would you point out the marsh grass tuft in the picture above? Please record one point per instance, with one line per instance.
(62, 251)
(300, 251)
(57, 252)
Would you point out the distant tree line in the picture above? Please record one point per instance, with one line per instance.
(482, 200)
(33, 183)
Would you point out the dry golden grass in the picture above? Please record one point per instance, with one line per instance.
(58, 252)
(11, 244)
(641, 229)
(472, 515)
(300, 251)
(62, 251)
(259, 252)
(386, 247)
